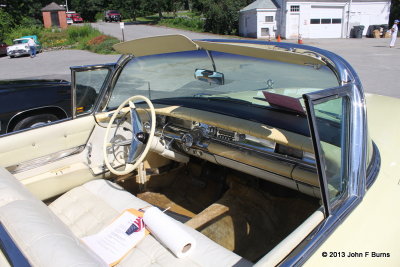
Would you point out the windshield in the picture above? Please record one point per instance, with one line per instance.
(20, 41)
(235, 77)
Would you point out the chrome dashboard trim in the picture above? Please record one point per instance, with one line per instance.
(261, 147)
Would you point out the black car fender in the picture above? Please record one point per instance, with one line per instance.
(52, 110)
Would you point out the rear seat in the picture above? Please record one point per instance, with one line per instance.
(50, 237)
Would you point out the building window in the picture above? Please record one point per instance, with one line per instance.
(336, 21)
(315, 21)
(326, 21)
(265, 32)
(269, 18)
(294, 8)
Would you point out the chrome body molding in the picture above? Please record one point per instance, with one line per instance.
(34, 163)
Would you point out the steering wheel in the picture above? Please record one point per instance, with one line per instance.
(139, 137)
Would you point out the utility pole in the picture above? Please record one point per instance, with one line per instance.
(348, 20)
(66, 4)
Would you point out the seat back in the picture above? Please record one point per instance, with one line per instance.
(40, 236)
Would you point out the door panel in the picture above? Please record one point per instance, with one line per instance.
(43, 141)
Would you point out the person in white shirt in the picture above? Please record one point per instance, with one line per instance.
(32, 47)
(394, 30)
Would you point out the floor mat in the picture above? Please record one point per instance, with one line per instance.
(250, 222)
(245, 217)
(189, 193)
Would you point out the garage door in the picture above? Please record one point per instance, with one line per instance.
(326, 22)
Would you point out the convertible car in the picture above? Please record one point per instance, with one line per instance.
(260, 152)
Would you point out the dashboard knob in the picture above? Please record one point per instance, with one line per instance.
(187, 140)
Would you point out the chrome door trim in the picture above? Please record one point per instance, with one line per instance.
(40, 161)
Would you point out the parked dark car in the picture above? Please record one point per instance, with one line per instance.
(32, 103)
(3, 48)
(112, 15)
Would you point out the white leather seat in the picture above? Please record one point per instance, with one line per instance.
(90, 207)
(36, 231)
(86, 210)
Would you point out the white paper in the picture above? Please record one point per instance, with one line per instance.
(170, 233)
(112, 243)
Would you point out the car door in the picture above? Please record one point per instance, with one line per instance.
(337, 122)
(35, 154)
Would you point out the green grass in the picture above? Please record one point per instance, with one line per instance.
(191, 24)
(185, 20)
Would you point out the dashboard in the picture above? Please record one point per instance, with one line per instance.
(264, 158)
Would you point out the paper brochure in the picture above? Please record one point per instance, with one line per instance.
(115, 241)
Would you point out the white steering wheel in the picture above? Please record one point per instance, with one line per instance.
(139, 137)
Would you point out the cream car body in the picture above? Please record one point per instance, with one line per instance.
(233, 140)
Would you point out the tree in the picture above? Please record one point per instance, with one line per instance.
(88, 8)
(222, 16)
(6, 23)
(128, 8)
(27, 8)
(394, 11)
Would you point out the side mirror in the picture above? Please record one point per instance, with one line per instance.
(209, 76)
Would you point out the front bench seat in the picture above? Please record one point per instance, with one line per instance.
(83, 211)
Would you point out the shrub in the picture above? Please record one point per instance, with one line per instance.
(97, 40)
(81, 37)
(194, 24)
(99, 16)
(106, 46)
(101, 44)
(22, 31)
(77, 33)
(53, 38)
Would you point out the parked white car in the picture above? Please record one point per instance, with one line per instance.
(20, 46)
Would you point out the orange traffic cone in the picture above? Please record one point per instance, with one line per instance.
(279, 38)
(300, 39)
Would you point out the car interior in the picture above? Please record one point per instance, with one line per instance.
(244, 188)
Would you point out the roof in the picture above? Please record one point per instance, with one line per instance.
(53, 7)
(261, 4)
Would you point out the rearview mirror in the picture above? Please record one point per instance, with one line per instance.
(209, 76)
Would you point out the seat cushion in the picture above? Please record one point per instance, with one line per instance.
(90, 207)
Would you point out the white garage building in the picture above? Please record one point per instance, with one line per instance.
(310, 18)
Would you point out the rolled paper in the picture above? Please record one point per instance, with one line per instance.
(169, 232)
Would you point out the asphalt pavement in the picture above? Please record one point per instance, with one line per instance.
(50, 65)
(377, 64)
